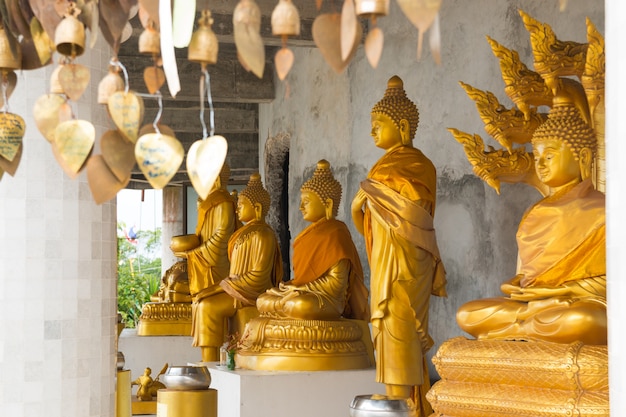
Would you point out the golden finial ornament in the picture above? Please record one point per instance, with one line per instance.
(203, 47)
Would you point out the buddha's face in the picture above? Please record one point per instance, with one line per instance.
(385, 133)
(245, 210)
(311, 207)
(555, 163)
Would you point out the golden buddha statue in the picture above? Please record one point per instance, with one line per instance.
(169, 311)
(208, 263)
(328, 278)
(308, 322)
(255, 266)
(559, 293)
(541, 349)
(394, 210)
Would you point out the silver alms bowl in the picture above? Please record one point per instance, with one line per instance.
(381, 406)
(183, 378)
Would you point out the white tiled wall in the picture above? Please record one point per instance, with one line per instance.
(57, 272)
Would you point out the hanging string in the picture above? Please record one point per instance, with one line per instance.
(205, 86)
(157, 118)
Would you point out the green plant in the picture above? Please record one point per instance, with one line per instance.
(138, 272)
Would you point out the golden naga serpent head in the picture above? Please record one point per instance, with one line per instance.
(551, 84)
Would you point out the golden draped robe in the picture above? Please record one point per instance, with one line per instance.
(255, 266)
(404, 261)
(327, 269)
(208, 263)
(559, 293)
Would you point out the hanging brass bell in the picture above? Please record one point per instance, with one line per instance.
(369, 8)
(150, 41)
(69, 36)
(203, 46)
(10, 51)
(285, 19)
(111, 83)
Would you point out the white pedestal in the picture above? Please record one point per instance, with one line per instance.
(245, 393)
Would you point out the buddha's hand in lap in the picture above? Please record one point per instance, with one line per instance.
(181, 254)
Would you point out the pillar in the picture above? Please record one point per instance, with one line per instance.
(57, 272)
(172, 224)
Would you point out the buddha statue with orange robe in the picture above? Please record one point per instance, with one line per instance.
(255, 266)
(559, 292)
(394, 210)
(328, 278)
(317, 320)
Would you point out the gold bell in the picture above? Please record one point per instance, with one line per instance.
(369, 8)
(203, 46)
(150, 41)
(69, 36)
(10, 51)
(111, 83)
(285, 19)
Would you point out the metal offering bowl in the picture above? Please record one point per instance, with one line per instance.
(381, 406)
(183, 243)
(183, 378)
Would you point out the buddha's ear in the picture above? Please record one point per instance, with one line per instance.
(258, 211)
(328, 204)
(405, 132)
(585, 160)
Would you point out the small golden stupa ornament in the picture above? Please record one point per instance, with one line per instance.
(285, 23)
(372, 9)
(203, 46)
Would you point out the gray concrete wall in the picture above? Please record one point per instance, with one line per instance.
(328, 116)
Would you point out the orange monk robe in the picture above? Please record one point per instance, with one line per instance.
(317, 249)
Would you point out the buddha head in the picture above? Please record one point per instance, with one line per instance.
(253, 202)
(394, 117)
(320, 195)
(563, 146)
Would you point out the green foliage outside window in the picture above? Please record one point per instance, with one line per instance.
(138, 271)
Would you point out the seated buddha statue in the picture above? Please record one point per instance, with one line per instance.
(559, 292)
(255, 266)
(328, 278)
(317, 320)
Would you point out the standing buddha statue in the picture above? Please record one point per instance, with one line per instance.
(394, 210)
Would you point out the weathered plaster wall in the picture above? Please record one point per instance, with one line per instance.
(327, 116)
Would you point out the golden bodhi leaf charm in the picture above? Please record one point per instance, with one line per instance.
(126, 110)
(158, 157)
(50, 110)
(118, 154)
(12, 129)
(103, 184)
(74, 141)
(10, 167)
(74, 79)
(327, 31)
(204, 163)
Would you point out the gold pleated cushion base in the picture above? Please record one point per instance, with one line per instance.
(467, 399)
(537, 364)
